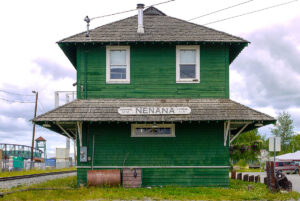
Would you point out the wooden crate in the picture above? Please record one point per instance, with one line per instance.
(132, 178)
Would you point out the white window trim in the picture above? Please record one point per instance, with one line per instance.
(118, 81)
(187, 47)
(134, 126)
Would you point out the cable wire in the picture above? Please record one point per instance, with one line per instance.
(8, 92)
(14, 101)
(130, 10)
(266, 8)
(220, 10)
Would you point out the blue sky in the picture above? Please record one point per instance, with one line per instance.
(265, 76)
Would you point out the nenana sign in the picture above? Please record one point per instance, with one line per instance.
(153, 110)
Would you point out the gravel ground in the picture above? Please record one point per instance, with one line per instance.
(30, 181)
(294, 178)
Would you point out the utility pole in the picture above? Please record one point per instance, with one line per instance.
(33, 130)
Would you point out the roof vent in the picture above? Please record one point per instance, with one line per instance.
(140, 8)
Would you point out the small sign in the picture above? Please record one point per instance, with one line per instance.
(153, 110)
(277, 141)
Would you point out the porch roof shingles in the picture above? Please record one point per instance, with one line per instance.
(107, 110)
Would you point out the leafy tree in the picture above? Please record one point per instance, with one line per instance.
(284, 129)
(294, 143)
(247, 146)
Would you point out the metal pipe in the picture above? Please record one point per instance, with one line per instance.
(93, 151)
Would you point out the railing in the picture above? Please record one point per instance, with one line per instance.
(64, 96)
(17, 165)
(23, 151)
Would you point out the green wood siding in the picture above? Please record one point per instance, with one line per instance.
(195, 144)
(153, 73)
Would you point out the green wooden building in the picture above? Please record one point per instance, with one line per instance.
(153, 94)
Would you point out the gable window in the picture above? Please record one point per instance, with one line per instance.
(152, 130)
(117, 64)
(187, 64)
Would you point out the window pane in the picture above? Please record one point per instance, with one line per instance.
(187, 57)
(118, 57)
(153, 131)
(117, 72)
(187, 71)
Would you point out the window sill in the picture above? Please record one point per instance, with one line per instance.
(188, 81)
(118, 82)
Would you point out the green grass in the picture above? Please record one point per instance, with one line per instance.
(238, 190)
(250, 170)
(27, 172)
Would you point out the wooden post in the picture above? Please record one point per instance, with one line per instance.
(246, 177)
(251, 178)
(239, 176)
(266, 180)
(233, 174)
(33, 130)
(271, 180)
(257, 179)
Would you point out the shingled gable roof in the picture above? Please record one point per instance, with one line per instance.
(158, 27)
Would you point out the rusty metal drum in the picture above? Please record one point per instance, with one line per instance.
(103, 177)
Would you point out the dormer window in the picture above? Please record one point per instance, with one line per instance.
(188, 64)
(117, 64)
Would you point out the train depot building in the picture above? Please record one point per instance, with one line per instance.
(153, 101)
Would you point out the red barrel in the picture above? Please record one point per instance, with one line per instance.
(103, 178)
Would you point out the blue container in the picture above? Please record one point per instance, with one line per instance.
(50, 162)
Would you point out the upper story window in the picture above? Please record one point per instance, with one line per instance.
(188, 64)
(117, 64)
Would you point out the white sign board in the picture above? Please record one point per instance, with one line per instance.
(153, 110)
(277, 141)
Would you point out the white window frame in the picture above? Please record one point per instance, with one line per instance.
(188, 47)
(117, 81)
(134, 126)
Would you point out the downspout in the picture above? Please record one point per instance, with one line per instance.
(93, 151)
(85, 73)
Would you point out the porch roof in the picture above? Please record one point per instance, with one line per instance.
(107, 110)
(65, 119)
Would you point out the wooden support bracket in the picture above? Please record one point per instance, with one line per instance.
(64, 130)
(240, 131)
(226, 131)
(79, 126)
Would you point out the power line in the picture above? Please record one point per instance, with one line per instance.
(266, 8)
(220, 10)
(8, 92)
(14, 101)
(130, 10)
(42, 107)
